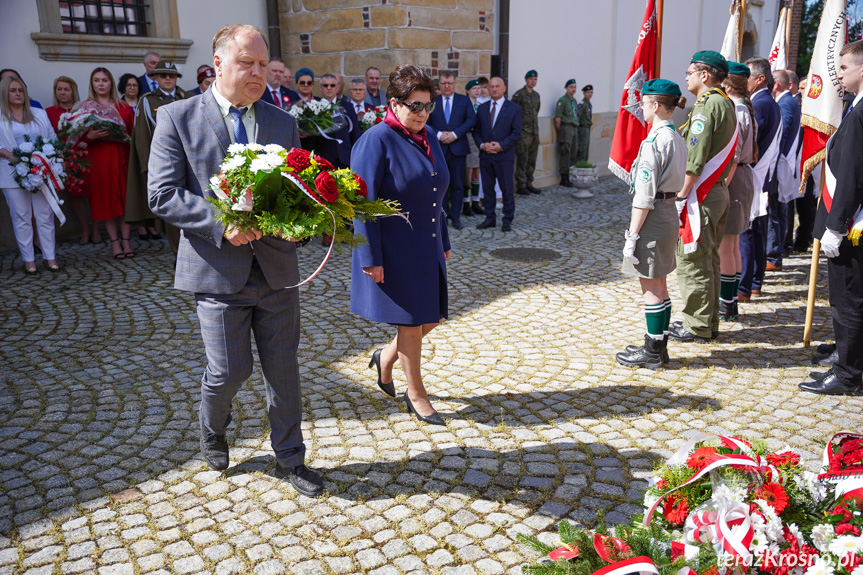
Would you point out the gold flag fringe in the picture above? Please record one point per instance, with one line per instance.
(820, 155)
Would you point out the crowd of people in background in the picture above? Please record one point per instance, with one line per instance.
(495, 161)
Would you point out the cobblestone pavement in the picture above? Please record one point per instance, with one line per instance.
(100, 364)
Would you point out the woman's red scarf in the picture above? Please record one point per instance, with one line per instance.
(420, 139)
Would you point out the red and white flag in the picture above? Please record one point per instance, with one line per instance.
(822, 102)
(779, 50)
(631, 129)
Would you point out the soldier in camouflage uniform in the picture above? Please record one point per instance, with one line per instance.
(566, 124)
(137, 209)
(585, 121)
(708, 133)
(528, 144)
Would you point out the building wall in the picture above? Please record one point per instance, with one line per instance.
(593, 42)
(348, 36)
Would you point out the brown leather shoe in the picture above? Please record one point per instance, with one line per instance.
(756, 292)
(772, 267)
(742, 298)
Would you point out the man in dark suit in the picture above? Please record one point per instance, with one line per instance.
(777, 223)
(453, 119)
(276, 94)
(241, 280)
(338, 153)
(839, 210)
(145, 80)
(768, 118)
(497, 132)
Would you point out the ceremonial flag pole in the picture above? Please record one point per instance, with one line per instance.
(732, 43)
(631, 129)
(660, 12)
(821, 115)
(779, 50)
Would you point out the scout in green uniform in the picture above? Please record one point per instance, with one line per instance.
(528, 143)
(585, 121)
(566, 124)
(711, 126)
(651, 239)
(137, 210)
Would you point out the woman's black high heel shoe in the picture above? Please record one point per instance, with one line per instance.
(388, 388)
(433, 419)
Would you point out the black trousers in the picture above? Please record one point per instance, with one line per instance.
(455, 193)
(805, 207)
(845, 277)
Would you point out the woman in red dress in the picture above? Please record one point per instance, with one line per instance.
(65, 98)
(109, 161)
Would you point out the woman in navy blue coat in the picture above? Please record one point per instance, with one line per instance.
(399, 277)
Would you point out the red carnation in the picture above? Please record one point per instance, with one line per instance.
(327, 187)
(298, 159)
(839, 510)
(675, 509)
(774, 495)
(847, 528)
(364, 189)
(324, 164)
(848, 445)
(784, 458)
(701, 458)
(853, 458)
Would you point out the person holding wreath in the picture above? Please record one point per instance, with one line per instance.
(651, 240)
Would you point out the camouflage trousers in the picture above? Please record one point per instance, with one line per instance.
(567, 145)
(525, 159)
(583, 144)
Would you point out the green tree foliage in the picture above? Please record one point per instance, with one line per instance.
(812, 10)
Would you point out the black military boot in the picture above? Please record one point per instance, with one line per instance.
(664, 354)
(649, 355)
(477, 209)
(735, 312)
(466, 211)
(564, 181)
(726, 311)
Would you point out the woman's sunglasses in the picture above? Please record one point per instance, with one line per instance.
(306, 82)
(415, 107)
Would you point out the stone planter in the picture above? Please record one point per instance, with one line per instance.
(584, 178)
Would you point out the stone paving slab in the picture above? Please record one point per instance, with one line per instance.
(99, 384)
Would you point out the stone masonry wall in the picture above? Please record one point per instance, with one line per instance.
(347, 36)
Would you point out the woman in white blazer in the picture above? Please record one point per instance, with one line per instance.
(17, 120)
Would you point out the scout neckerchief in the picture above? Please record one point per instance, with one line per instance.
(690, 219)
(572, 105)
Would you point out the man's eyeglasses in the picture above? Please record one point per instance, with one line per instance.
(328, 85)
(415, 107)
(306, 82)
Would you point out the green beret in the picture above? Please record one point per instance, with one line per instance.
(568, 82)
(530, 74)
(739, 69)
(711, 58)
(660, 87)
(471, 84)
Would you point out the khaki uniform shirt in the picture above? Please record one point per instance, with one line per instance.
(709, 129)
(567, 110)
(585, 114)
(745, 151)
(660, 166)
(529, 102)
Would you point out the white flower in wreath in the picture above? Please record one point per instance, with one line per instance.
(817, 490)
(273, 149)
(858, 571)
(233, 163)
(821, 536)
(254, 147)
(821, 566)
(760, 542)
(21, 169)
(296, 111)
(236, 148)
(265, 162)
(846, 544)
(33, 181)
(795, 531)
(48, 150)
(27, 147)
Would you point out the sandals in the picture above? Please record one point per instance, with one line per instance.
(119, 255)
(31, 272)
(55, 268)
(130, 253)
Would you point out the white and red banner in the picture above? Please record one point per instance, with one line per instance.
(690, 219)
(631, 129)
(779, 50)
(822, 101)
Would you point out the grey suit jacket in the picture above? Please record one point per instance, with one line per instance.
(190, 142)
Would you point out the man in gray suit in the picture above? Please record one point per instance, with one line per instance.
(239, 278)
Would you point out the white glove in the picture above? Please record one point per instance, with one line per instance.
(680, 204)
(830, 243)
(629, 247)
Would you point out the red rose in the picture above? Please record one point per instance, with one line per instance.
(364, 189)
(839, 510)
(378, 120)
(324, 164)
(327, 188)
(848, 445)
(298, 159)
(844, 528)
